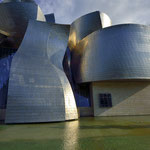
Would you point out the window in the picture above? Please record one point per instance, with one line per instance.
(84, 92)
(105, 100)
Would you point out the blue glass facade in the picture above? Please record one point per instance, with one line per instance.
(82, 101)
(5, 64)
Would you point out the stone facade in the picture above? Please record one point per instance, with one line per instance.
(128, 98)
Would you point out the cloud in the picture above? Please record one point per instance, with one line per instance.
(61, 8)
(120, 11)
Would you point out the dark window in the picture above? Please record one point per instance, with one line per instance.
(105, 100)
(84, 92)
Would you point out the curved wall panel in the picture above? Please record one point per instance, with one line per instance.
(38, 89)
(14, 17)
(85, 25)
(117, 52)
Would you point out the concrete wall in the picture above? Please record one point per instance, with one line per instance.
(128, 98)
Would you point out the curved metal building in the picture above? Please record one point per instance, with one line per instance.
(38, 92)
(115, 64)
(81, 28)
(85, 25)
(115, 53)
(119, 54)
(38, 89)
(14, 17)
(108, 67)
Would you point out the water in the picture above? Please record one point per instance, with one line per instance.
(100, 133)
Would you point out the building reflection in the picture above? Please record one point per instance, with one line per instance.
(71, 135)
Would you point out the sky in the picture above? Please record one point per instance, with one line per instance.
(120, 11)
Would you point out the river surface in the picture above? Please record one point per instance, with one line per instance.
(99, 133)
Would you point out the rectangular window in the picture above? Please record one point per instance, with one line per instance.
(105, 100)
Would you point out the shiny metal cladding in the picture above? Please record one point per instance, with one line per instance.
(39, 90)
(114, 53)
(85, 25)
(14, 17)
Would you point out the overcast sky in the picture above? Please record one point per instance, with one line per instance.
(120, 11)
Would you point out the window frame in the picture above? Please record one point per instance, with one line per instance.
(105, 100)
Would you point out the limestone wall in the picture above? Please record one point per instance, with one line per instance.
(128, 98)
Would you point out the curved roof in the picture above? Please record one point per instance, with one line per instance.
(85, 25)
(114, 53)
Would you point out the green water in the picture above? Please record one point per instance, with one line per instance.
(100, 133)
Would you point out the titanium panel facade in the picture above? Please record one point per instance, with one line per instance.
(39, 90)
(14, 17)
(88, 51)
(81, 28)
(114, 53)
(85, 25)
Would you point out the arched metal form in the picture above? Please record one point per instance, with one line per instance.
(85, 25)
(14, 17)
(50, 18)
(38, 89)
(114, 53)
(81, 28)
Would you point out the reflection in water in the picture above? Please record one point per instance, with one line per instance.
(99, 133)
(71, 135)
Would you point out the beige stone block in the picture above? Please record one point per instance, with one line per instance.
(128, 98)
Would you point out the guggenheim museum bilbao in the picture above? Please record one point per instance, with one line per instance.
(53, 72)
